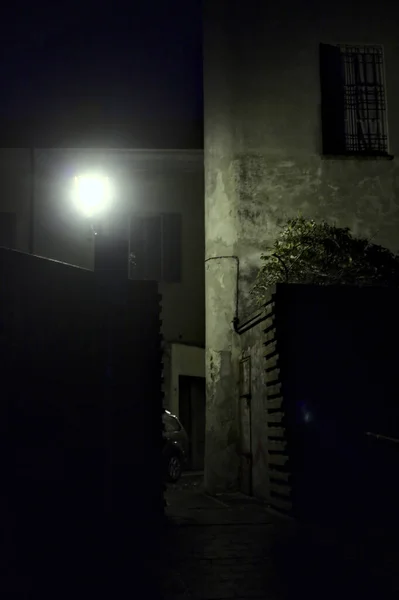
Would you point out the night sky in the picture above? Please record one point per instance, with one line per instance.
(78, 74)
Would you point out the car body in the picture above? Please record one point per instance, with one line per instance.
(175, 447)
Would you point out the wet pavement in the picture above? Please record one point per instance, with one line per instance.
(233, 547)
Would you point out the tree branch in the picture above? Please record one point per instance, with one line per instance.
(284, 265)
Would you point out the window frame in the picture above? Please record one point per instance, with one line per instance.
(341, 149)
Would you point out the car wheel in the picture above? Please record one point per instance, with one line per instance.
(174, 468)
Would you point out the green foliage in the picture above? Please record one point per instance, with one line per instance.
(322, 254)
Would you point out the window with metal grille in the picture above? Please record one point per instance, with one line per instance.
(354, 113)
(155, 247)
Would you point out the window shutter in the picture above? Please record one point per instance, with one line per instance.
(136, 248)
(153, 248)
(172, 231)
(8, 222)
(332, 100)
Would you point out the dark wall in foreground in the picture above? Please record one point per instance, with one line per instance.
(80, 417)
(339, 366)
(325, 415)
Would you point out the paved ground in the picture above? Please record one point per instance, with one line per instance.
(233, 547)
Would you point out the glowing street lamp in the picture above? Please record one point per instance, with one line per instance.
(92, 194)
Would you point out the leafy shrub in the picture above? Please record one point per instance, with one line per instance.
(318, 253)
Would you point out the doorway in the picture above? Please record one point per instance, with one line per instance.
(192, 416)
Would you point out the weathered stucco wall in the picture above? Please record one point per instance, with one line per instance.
(221, 235)
(264, 163)
(267, 146)
(221, 368)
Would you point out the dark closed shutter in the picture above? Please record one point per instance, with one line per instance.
(8, 230)
(332, 100)
(137, 248)
(152, 229)
(155, 242)
(172, 231)
(111, 247)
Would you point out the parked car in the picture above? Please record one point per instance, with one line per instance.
(175, 447)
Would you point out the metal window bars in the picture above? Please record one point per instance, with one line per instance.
(364, 100)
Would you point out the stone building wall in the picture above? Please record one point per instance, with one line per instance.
(264, 163)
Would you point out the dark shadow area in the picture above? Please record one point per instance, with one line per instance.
(235, 548)
(86, 75)
(329, 563)
(79, 514)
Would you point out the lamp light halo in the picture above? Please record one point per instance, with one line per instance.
(92, 193)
